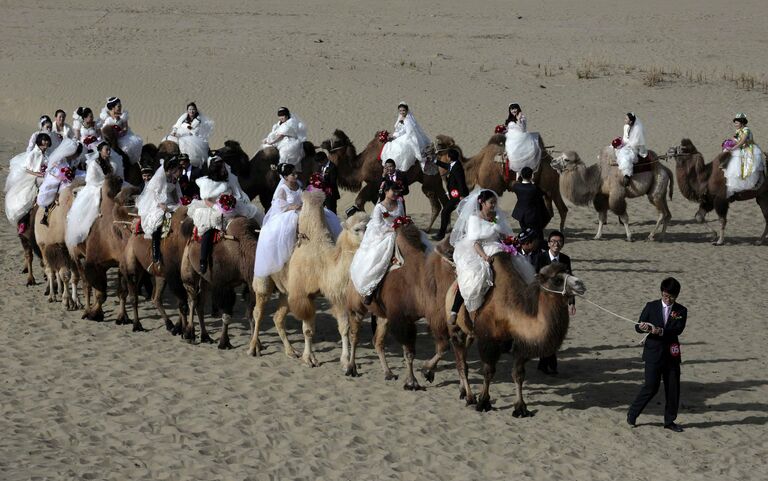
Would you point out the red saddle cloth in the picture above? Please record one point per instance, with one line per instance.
(643, 164)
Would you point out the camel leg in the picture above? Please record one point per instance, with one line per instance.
(122, 296)
(50, 277)
(490, 352)
(308, 327)
(562, 209)
(378, 343)
(224, 339)
(432, 187)
(28, 257)
(409, 353)
(64, 279)
(96, 279)
(279, 318)
(193, 293)
(602, 218)
(204, 336)
(624, 218)
(460, 348)
(157, 301)
(355, 322)
(263, 292)
(721, 235)
(133, 291)
(763, 203)
(429, 367)
(368, 193)
(518, 376)
(343, 324)
(664, 217)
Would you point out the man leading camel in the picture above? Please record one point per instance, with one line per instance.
(664, 320)
(456, 187)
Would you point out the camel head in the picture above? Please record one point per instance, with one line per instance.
(339, 147)
(441, 145)
(112, 185)
(354, 230)
(682, 153)
(554, 278)
(234, 156)
(566, 161)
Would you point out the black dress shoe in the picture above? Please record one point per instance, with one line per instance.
(631, 420)
(673, 427)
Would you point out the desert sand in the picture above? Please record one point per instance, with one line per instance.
(85, 400)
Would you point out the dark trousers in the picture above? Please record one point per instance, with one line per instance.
(548, 363)
(667, 371)
(445, 215)
(157, 236)
(330, 204)
(206, 249)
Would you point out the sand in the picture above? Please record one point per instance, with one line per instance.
(84, 400)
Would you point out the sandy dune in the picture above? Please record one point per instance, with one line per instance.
(83, 400)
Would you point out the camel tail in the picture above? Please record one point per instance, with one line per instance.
(671, 188)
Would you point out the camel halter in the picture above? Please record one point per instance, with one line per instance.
(565, 286)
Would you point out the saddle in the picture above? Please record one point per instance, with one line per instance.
(643, 164)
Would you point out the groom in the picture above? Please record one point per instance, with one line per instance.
(664, 320)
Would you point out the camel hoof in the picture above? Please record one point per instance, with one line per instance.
(429, 375)
(413, 386)
(169, 326)
(351, 370)
(205, 339)
(122, 319)
(699, 218)
(390, 377)
(31, 282)
(718, 243)
(292, 353)
(224, 344)
(522, 412)
(138, 328)
(93, 316)
(483, 405)
(255, 352)
(759, 242)
(471, 400)
(176, 329)
(25, 271)
(310, 361)
(597, 237)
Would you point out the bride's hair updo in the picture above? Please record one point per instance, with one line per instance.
(218, 169)
(112, 102)
(285, 169)
(485, 196)
(632, 117)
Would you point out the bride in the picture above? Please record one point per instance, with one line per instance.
(45, 126)
(60, 170)
(192, 132)
(373, 258)
(21, 186)
(85, 128)
(478, 235)
(277, 238)
(407, 142)
(522, 147)
(209, 214)
(160, 197)
(288, 136)
(85, 208)
(632, 146)
(113, 115)
(747, 163)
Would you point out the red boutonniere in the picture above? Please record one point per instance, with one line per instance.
(454, 193)
(385, 215)
(674, 315)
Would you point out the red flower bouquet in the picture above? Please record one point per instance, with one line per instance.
(617, 143)
(383, 136)
(402, 221)
(316, 182)
(226, 204)
(500, 129)
(65, 174)
(88, 140)
(729, 144)
(386, 215)
(43, 168)
(185, 200)
(511, 245)
(454, 194)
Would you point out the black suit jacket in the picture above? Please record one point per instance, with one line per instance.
(542, 260)
(455, 180)
(331, 179)
(189, 187)
(399, 177)
(530, 208)
(657, 347)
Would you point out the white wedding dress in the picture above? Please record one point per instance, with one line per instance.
(633, 146)
(746, 167)
(206, 218)
(157, 191)
(522, 147)
(291, 146)
(374, 256)
(51, 182)
(192, 137)
(277, 238)
(473, 274)
(128, 142)
(85, 207)
(407, 145)
(21, 187)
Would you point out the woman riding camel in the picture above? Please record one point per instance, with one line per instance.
(192, 132)
(21, 186)
(632, 146)
(407, 142)
(159, 198)
(521, 147)
(113, 115)
(747, 164)
(288, 136)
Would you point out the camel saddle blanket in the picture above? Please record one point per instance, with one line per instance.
(643, 164)
(137, 230)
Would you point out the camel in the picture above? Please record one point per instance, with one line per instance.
(705, 183)
(486, 169)
(601, 184)
(365, 167)
(60, 268)
(136, 260)
(534, 317)
(416, 290)
(150, 155)
(232, 266)
(104, 248)
(30, 248)
(318, 266)
(258, 176)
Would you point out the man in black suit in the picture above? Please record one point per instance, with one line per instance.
(530, 209)
(664, 320)
(457, 190)
(188, 177)
(548, 364)
(397, 176)
(330, 174)
(529, 245)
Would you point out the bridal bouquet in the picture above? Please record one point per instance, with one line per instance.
(226, 204)
(510, 244)
(617, 143)
(383, 136)
(729, 144)
(65, 174)
(401, 221)
(500, 129)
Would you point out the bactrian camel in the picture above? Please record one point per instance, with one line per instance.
(366, 168)
(705, 183)
(486, 169)
(317, 266)
(601, 184)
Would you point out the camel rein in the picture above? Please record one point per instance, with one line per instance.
(562, 293)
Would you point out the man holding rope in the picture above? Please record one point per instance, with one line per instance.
(663, 320)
